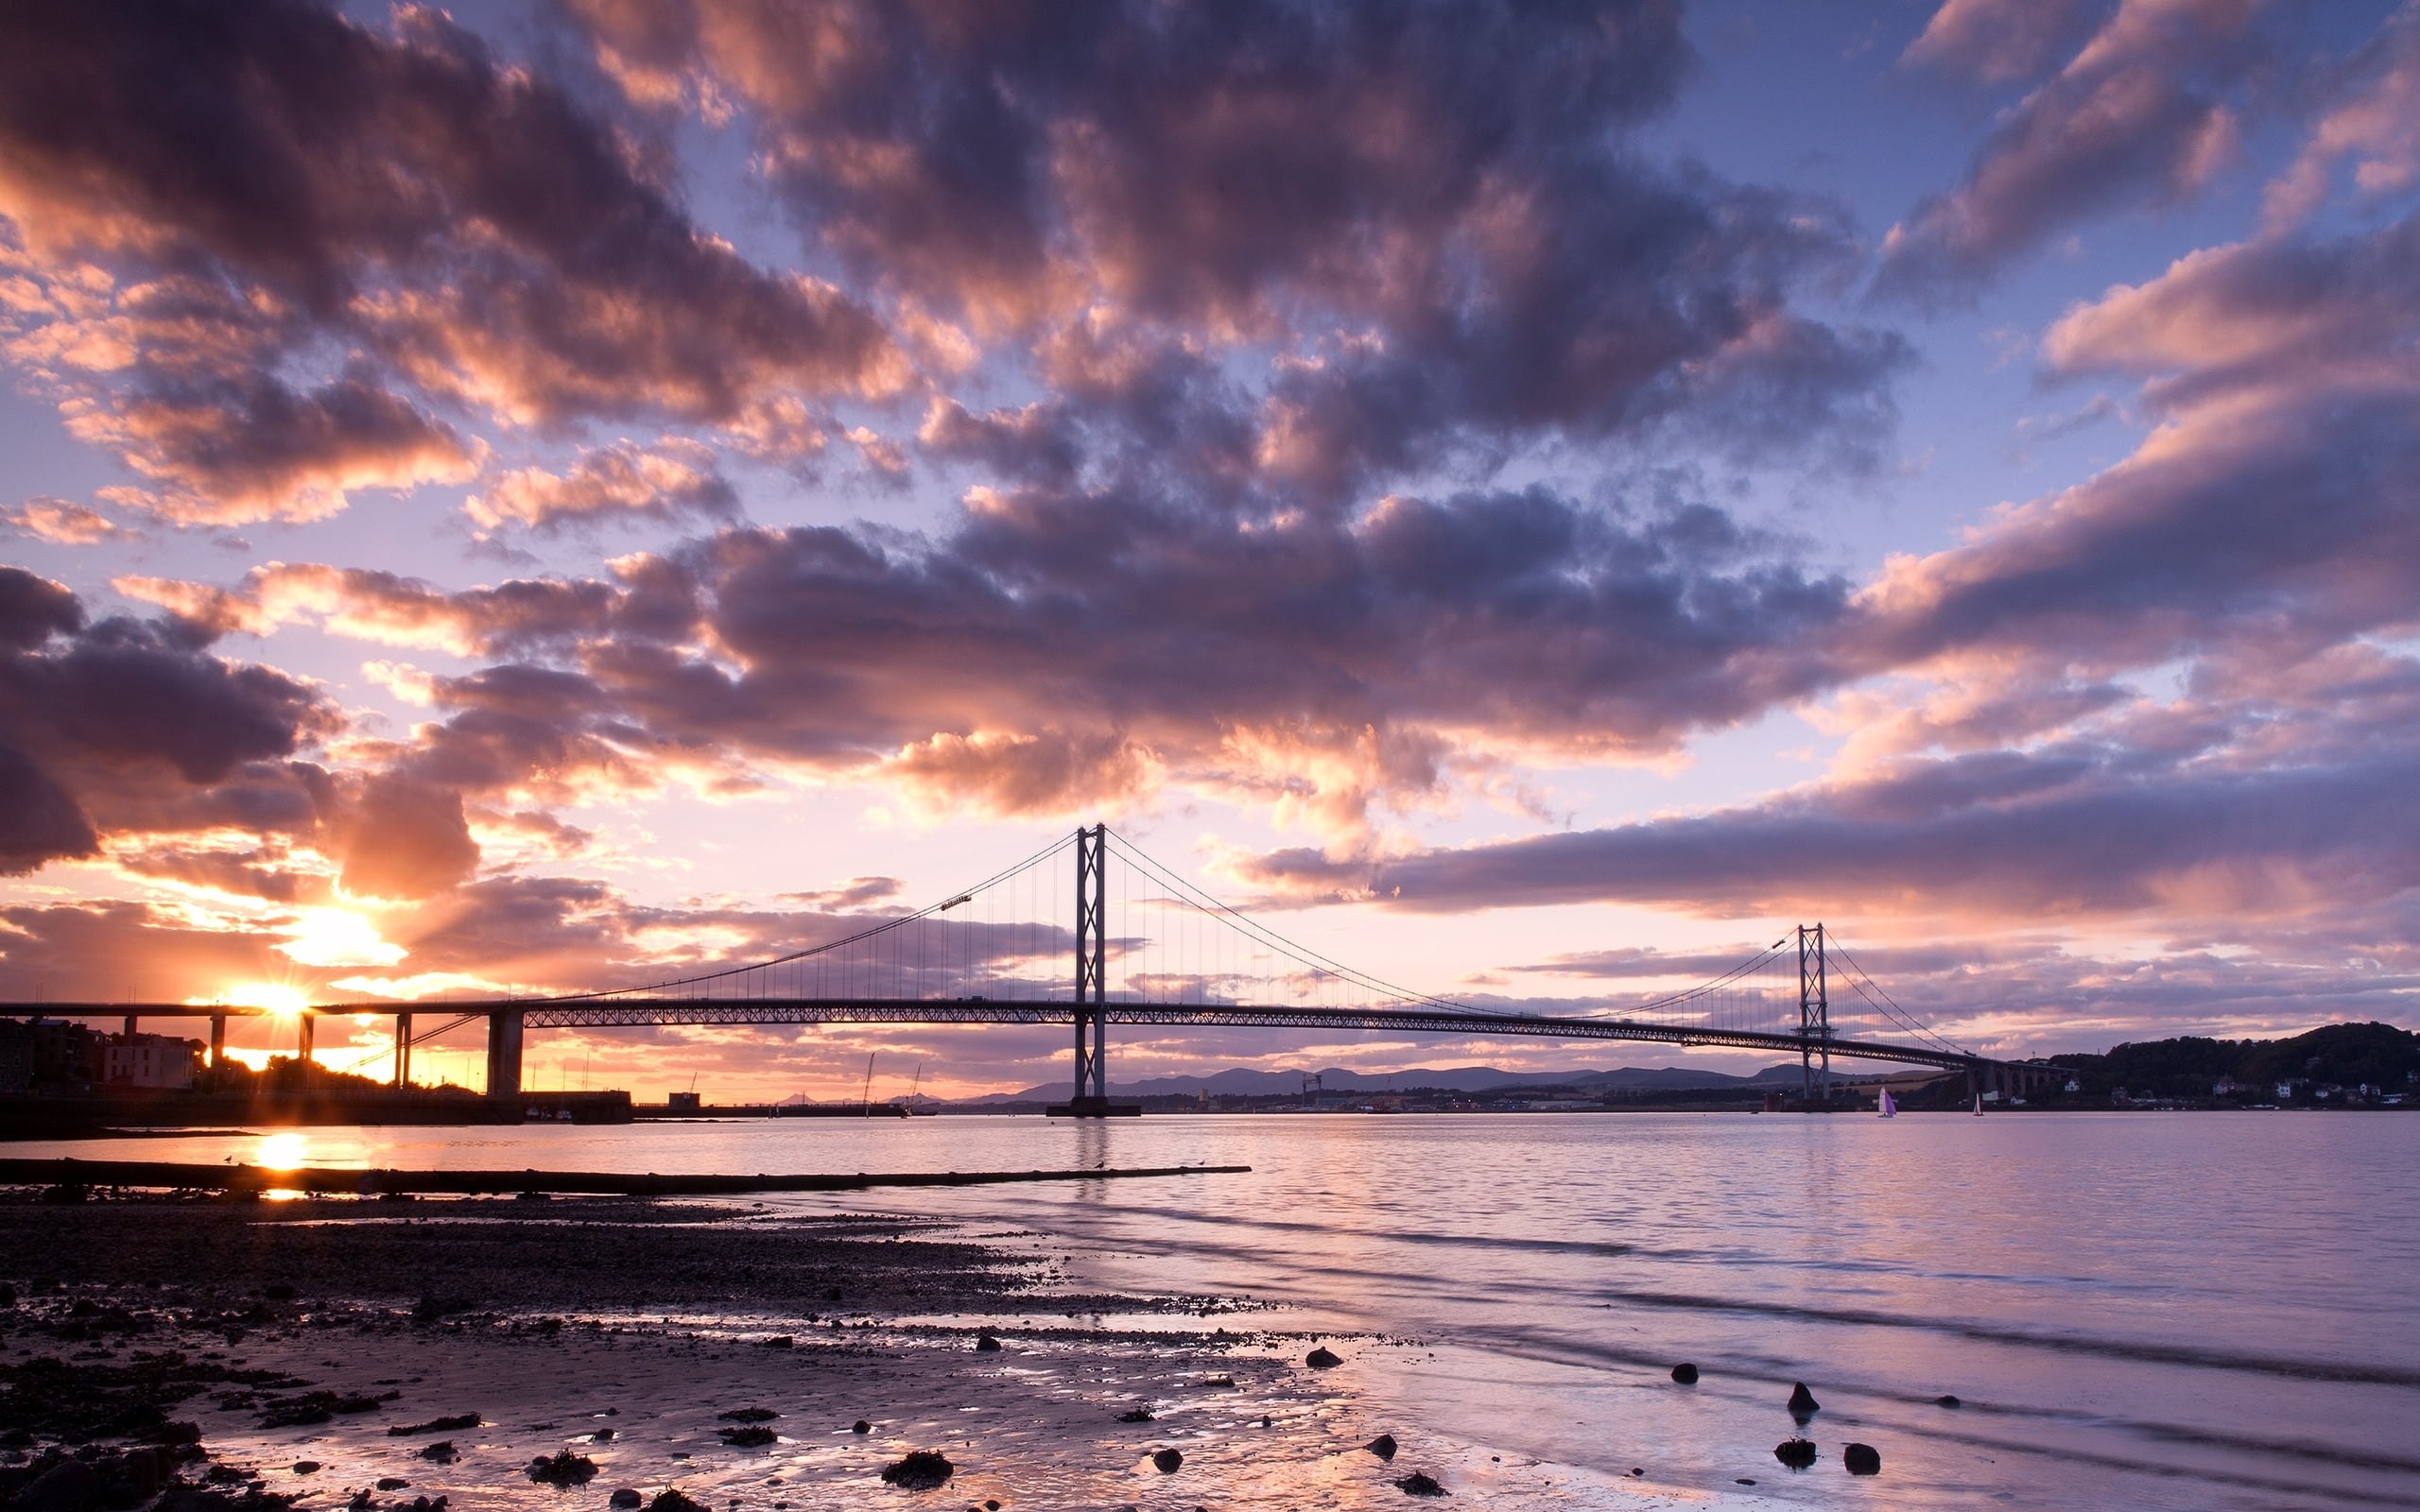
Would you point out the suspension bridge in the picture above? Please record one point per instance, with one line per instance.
(1092, 932)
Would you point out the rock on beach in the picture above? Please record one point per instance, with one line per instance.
(921, 1469)
(563, 1469)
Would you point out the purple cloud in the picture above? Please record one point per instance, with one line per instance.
(2142, 111)
(267, 179)
(116, 723)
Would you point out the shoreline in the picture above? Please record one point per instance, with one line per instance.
(621, 1331)
(67, 1175)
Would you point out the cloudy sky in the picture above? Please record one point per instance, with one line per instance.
(1533, 496)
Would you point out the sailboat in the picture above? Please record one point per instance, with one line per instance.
(1886, 1108)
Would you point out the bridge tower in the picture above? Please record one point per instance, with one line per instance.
(1091, 1092)
(1814, 1016)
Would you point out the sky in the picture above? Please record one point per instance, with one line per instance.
(1529, 498)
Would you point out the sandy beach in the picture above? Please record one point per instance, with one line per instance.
(714, 1349)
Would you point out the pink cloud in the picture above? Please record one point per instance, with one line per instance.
(675, 477)
(1996, 41)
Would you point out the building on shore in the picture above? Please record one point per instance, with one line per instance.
(58, 1056)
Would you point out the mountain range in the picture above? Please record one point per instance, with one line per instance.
(1243, 1082)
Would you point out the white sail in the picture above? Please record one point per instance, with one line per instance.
(1888, 1108)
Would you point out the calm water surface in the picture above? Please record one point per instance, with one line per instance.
(2148, 1310)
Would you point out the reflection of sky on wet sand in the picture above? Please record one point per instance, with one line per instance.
(1034, 1426)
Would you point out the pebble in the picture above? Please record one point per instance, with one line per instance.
(1383, 1446)
(1947, 1401)
(306, 1466)
(985, 1342)
(1862, 1459)
(1795, 1453)
(861, 1426)
(1686, 1374)
(1167, 1461)
(626, 1498)
(1322, 1359)
(1420, 1482)
(1801, 1399)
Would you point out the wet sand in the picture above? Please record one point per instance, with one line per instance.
(308, 1332)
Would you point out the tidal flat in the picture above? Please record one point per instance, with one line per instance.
(201, 1355)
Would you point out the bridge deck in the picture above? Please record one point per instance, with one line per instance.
(634, 1011)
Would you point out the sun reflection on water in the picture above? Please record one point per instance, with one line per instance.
(282, 1152)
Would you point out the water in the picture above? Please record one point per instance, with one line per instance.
(2188, 1311)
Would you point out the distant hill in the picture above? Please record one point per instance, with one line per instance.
(2340, 1054)
(1242, 1082)
(2347, 1056)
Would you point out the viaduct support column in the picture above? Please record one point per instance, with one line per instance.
(217, 1040)
(402, 1050)
(305, 1032)
(504, 1052)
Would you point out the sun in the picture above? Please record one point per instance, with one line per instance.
(337, 937)
(284, 1001)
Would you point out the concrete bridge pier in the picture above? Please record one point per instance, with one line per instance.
(402, 1050)
(306, 1034)
(217, 1040)
(504, 1052)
